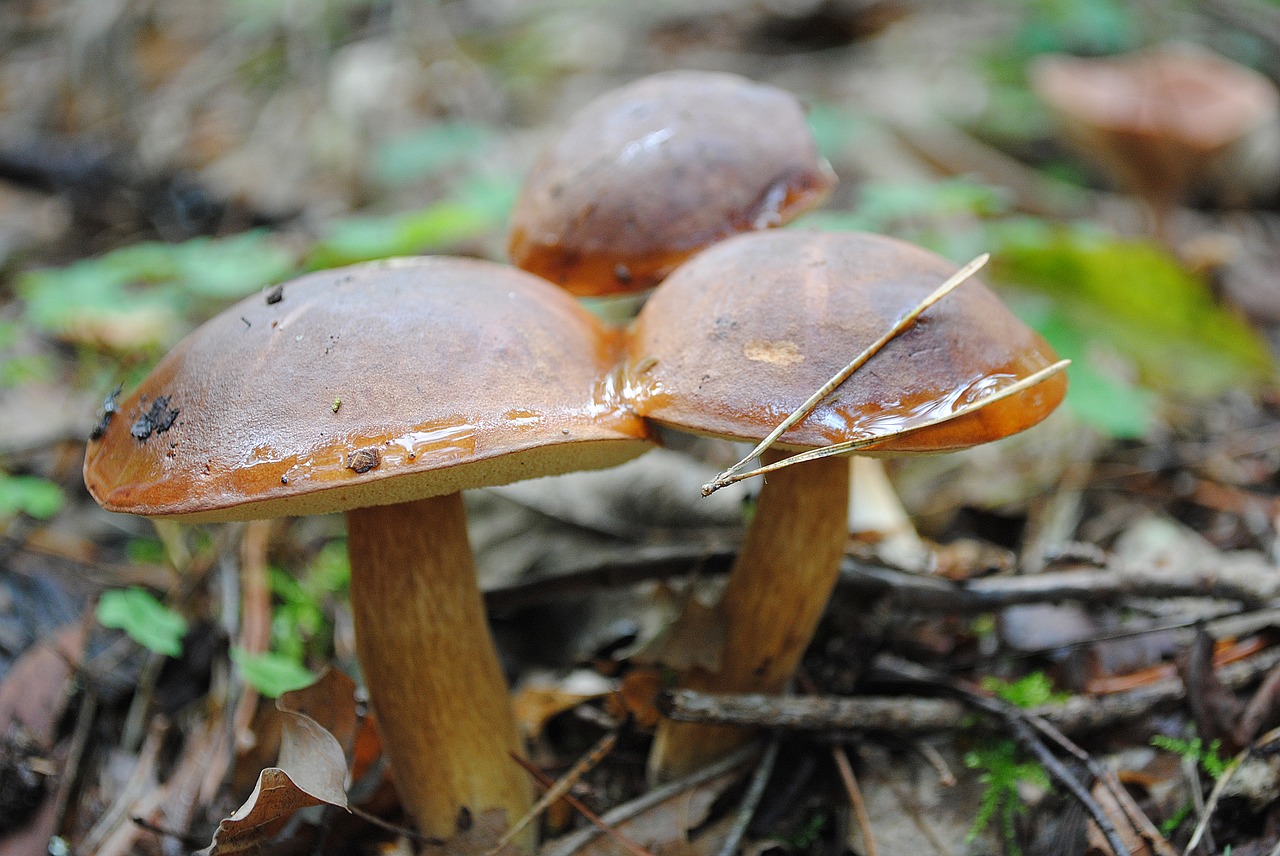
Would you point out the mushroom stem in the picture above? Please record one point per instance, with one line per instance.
(433, 675)
(777, 591)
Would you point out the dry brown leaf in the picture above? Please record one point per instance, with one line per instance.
(536, 706)
(312, 770)
(34, 693)
(331, 702)
(694, 640)
(33, 698)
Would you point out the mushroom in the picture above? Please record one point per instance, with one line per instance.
(1157, 120)
(452, 374)
(738, 338)
(645, 176)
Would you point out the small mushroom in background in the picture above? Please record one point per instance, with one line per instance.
(1166, 121)
(645, 176)
(738, 338)
(452, 374)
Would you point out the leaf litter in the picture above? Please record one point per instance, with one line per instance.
(1171, 522)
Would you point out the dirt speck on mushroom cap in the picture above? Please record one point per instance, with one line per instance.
(430, 358)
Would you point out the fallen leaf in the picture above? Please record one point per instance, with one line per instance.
(311, 770)
(331, 702)
(694, 640)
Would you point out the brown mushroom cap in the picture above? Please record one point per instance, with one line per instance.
(369, 385)
(1155, 117)
(739, 336)
(647, 175)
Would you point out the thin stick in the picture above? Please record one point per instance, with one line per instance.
(570, 844)
(725, 479)
(855, 798)
(600, 823)
(841, 376)
(593, 757)
(751, 799)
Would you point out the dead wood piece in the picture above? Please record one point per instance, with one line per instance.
(815, 713)
(1239, 581)
(916, 715)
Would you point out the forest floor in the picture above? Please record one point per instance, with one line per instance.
(1069, 644)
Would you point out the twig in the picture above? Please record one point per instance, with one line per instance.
(582, 809)
(946, 778)
(570, 844)
(1140, 822)
(593, 757)
(895, 714)
(1018, 386)
(1089, 584)
(841, 758)
(841, 376)
(75, 755)
(915, 715)
(751, 799)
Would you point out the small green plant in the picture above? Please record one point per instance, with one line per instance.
(300, 617)
(1001, 774)
(1208, 758)
(1032, 690)
(146, 620)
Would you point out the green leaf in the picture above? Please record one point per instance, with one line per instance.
(1095, 393)
(232, 267)
(436, 227)
(271, 674)
(836, 128)
(16, 371)
(1139, 301)
(887, 206)
(148, 622)
(429, 150)
(31, 495)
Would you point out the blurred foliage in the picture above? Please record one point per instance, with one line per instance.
(270, 673)
(1137, 299)
(299, 621)
(1031, 690)
(136, 298)
(430, 150)
(30, 495)
(1206, 756)
(1001, 774)
(146, 620)
(1136, 324)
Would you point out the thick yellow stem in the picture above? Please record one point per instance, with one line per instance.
(775, 596)
(433, 676)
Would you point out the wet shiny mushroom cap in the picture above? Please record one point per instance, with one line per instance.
(362, 386)
(738, 337)
(645, 176)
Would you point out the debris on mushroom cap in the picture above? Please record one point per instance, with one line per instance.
(647, 175)
(739, 336)
(1155, 118)
(452, 373)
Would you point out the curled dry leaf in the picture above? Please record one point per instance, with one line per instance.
(312, 767)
